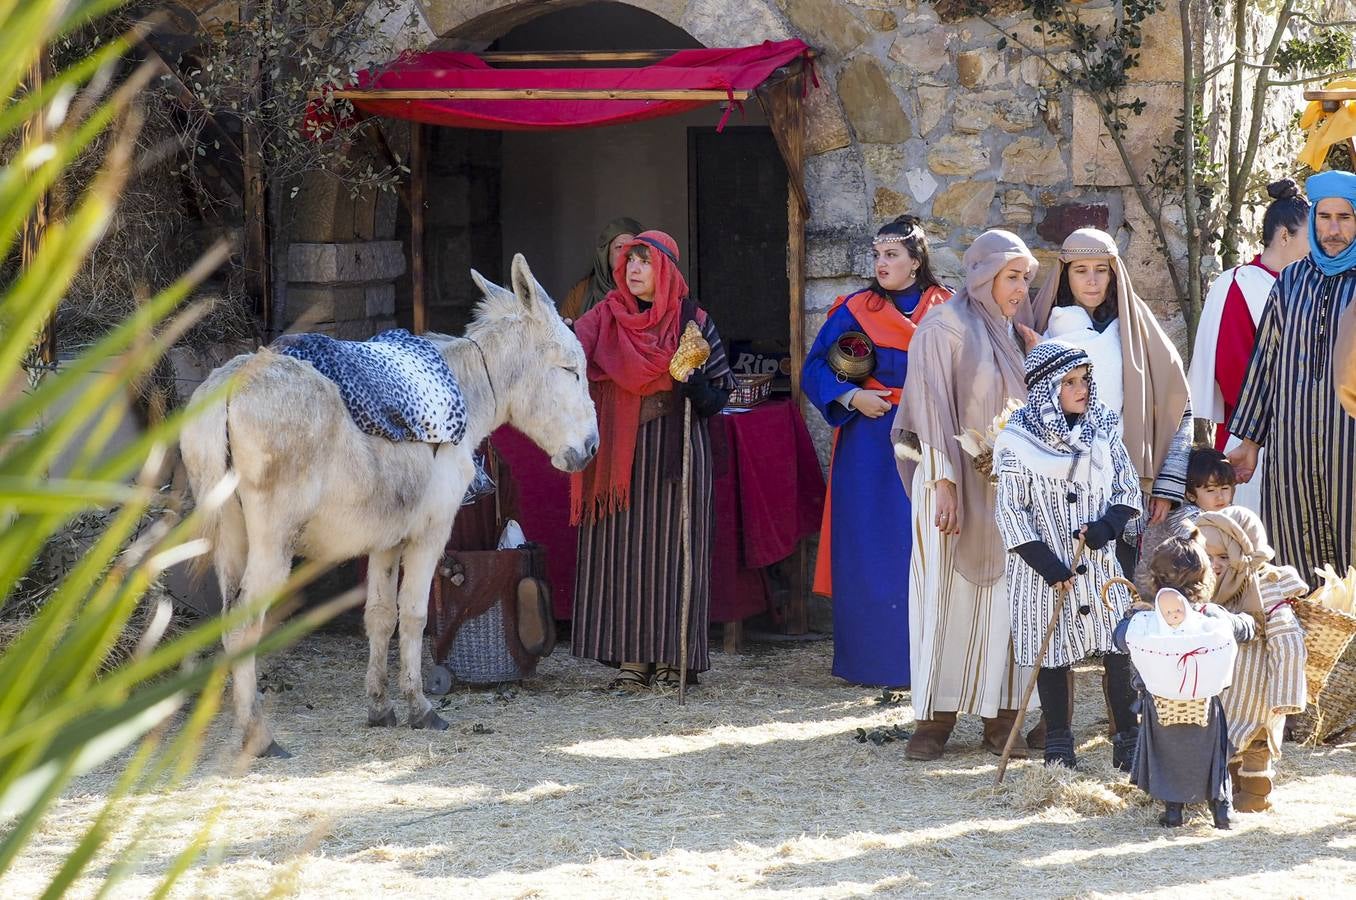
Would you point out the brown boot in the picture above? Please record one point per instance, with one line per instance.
(930, 735)
(996, 732)
(1035, 738)
(1253, 778)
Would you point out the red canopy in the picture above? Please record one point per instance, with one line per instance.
(731, 71)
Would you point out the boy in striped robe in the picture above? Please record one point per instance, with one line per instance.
(1268, 681)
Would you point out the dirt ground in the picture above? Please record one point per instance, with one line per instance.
(757, 788)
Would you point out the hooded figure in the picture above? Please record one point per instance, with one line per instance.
(590, 290)
(965, 365)
(1063, 470)
(1130, 348)
(1268, 678)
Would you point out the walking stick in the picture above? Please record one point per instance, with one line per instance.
(1060, 598)
(685, 551)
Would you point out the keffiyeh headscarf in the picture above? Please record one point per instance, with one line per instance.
(1043, 418)
(1327, 186)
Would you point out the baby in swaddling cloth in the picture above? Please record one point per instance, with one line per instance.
(1183, 649)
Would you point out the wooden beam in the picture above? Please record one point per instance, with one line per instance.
(418, 177)
(694, 94)
(575, 56)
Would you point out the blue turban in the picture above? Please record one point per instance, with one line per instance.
(1325, 186)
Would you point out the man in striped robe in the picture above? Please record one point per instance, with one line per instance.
(1289, 403)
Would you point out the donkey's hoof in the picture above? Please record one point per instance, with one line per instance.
(386, 720)
(274, 750)
(430, 720)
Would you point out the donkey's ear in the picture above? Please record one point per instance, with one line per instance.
(487, 287)
(526, 286)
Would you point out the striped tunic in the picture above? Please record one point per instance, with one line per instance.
(1035, 506)
(628, 584)
(1269, 680)
(960, 636)
(1289, 405)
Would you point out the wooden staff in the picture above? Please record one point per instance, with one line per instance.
(685, 550)
(1060, 597)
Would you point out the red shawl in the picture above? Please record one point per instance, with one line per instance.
(628, 352)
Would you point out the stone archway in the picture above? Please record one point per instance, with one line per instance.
(344, 257)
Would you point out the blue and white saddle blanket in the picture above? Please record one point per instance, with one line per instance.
(396, 386)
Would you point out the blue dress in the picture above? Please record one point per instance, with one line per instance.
(871, 533)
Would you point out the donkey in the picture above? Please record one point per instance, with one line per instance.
(311, 484)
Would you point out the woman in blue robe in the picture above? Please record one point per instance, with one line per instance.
(866, 536)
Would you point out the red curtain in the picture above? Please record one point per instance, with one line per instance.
(724, 69)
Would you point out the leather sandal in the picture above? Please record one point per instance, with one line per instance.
(630, 681)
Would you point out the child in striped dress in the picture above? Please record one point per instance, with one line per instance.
(1064, 476)
(1268, 681)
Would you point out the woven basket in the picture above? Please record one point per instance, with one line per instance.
(750, 390)
(1332, 712)
(1327, 634)
(480, 653)
(1182, 712)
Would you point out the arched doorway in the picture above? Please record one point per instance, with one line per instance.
(547, 194)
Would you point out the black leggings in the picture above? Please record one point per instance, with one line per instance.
(1054, 687)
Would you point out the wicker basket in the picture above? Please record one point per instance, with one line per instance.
(1327, 634)
(1182, 712)
(750, 390)
(1332, 710)
(480, 654)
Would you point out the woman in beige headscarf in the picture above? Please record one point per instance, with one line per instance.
(1089, 302)
(965, 364)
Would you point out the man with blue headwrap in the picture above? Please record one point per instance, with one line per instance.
(1289, 402)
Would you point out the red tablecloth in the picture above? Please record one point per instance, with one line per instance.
(769, 493)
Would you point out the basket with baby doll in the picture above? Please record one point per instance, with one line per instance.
(1183, 657)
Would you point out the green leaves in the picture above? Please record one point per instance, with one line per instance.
(70, 700)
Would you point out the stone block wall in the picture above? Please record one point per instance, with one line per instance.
(346, 290)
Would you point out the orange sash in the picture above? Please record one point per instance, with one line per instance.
(886, 328)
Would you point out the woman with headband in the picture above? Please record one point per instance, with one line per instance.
(864, 542)
(966, 364)
(627, 503)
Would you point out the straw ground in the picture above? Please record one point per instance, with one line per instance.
(758, 787)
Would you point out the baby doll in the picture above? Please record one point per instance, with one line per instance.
(1268, 682)
(1183, 763)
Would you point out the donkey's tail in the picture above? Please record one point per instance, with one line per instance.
(206, 449)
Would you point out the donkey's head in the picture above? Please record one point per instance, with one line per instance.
(539, 368)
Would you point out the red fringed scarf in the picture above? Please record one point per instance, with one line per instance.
(628, 352)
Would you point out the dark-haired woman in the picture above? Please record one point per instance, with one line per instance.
(866, 536)
(1228, 326)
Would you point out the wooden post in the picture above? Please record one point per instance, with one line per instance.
(785, 112)
(257, 255)
(418, 177)
(35, 135)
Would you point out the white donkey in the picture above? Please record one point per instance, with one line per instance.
(313, 485)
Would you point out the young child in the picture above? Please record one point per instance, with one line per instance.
(1063, 472)
(1183, 763)
(1210, 483)
(1268, 681)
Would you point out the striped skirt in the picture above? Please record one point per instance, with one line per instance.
(960, 633)
(628, 585)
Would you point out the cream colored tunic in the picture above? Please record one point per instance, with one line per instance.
(960, 633)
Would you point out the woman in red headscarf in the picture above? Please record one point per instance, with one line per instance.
(627, 503)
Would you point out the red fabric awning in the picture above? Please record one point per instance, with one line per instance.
(727, 70)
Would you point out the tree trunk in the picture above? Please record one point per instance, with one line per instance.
(1191, 301)
(1236, 177)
